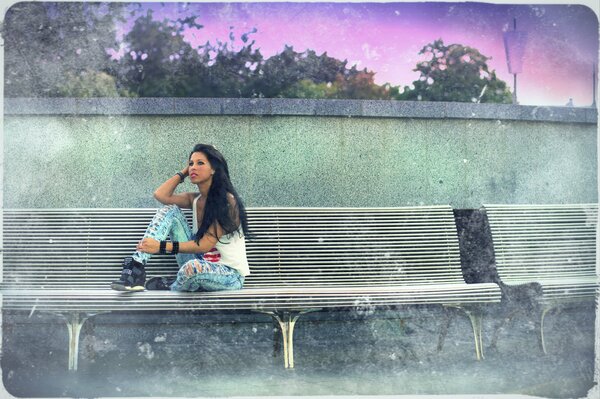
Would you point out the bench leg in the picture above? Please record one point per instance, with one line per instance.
(287, 321)
(286, 324)
(477, 322)
(276, 338)
(74, 323)
(506, 319)
(542, 341)
(476, 316)
(444, 329)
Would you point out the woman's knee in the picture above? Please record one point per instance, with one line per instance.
(169, 212)
(165, 209)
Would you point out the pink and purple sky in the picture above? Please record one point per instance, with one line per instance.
(385, 38)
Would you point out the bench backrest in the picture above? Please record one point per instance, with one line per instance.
(540, 242)
(83, 248)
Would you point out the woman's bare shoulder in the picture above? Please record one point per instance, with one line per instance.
(190, 199)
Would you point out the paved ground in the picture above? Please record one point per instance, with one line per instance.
(367, 353)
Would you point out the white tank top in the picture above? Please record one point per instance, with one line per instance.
(230, 250)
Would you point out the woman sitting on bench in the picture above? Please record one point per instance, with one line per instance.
(212, 255)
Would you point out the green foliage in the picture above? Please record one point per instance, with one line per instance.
(308, 75)
(358, 85)
(361, 85)
(232, 73)
(90, 83)
(306, 88)
(47, 44)
(282, 72)
(157, 61)
(455, 73)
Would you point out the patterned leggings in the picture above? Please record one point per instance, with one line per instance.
(195, 273)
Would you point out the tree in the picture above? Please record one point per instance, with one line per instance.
(49, 44)
(360, 85)
(354, 86)
(455, 73)
(90, 83)
(282, 71)
(233, 73)
(158, 62)
(308, 75)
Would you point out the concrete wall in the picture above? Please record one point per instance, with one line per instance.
(297, 153)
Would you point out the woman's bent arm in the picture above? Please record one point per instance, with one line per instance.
(206, 243)
(164, 193)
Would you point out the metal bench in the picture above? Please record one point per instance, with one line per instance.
(302, 260)
(551, 246)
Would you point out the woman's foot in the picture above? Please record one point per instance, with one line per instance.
(133, 276)
(160, 283)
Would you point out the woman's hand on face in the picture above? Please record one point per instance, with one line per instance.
(186, 170)
(149, 246)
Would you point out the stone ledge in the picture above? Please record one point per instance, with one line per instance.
(288, 106)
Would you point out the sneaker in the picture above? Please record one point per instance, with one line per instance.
(160, 283)
(132, 278)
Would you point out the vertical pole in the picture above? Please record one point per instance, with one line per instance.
(515, 89)
(515, 75)
(594, 85)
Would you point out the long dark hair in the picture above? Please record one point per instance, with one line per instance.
(217, 208)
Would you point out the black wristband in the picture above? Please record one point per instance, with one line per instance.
(181, 176)
(163, 248)
(175, 249)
